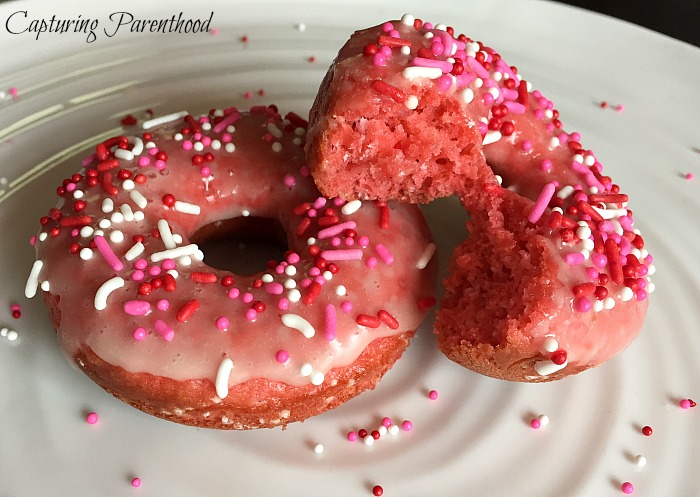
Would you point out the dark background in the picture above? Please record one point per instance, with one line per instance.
(679, 19)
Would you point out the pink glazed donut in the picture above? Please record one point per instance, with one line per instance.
(553, 278)
(136, 307)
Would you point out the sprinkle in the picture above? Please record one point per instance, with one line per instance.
(175, 253)
(92, 418)
(222, 377)
(414, 72)
(317, 378)
(425, 257)
(298, 323)
(627, 488)
(151, 123)
(546, 368)
(640, 460)
(164, 330)
(105, 289)
(541, 203)
(107, 253)
(329, 322)
(491, 137)
(368, 321)
(384, 254)
(312, 294)
(336, 230)
(33, 280)
(543, 419)
(318, 448)
(165, 234)
(388, 319)
(411, 102)
(535, 424)
(406, 425)
(187, 310)
(137, 307)
(342, 254)
(647, 431)
(136, 482)
(136, 250)
(687, 403)
(433, 395)
(351, 207)
(138, 199)
(377, 490)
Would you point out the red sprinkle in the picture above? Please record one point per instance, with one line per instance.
(388, 319)
(187, 310)
(426, 303)
(314, 291)
(169, 283)
(75, 221)
(390, 41)
(559, 357)
(384, 218)
(647, 431)
(368, 321)
(129, 120)
(386, 89)
(108, 164)
(377, 490)
(613, 254)
(303, 226)
(199, 277)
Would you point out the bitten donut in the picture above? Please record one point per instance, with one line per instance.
(553, 278)
(137, 308)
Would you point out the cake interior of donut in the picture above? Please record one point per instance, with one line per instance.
(242, 245)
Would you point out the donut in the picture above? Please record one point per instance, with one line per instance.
(138, 309)
(553, 278)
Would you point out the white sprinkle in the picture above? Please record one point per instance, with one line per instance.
(215, 145)
(103, 292)
(414, 72)
(498, 179)
(185, 260)
(545, 368)
(550, 345)
(441, 27)
(651, 287)
(104, 223)
(116, 236)
(107, 205)
(393, 430)
(123, 154)
(33, 280)
(198, 146)
(230, 147)
(312, 240)
(174, 253)
(405, 50)
(294, 295)
(317, 378)
(222, 377)
(589, 160)
(136, 250)
(640, 460)
(426, 256)
(301, 27)
(598, 306)
(178, 137)
(478, 83)
(587, 244)
(609, 303)
(298, 323)
(245, 213)
(494, 92)
(341, 291)
(77, 194)
(163, 119)
(177, 238)
(578, 158)
(86, 231)
(230, 128)
(187, 208)
(290, 270)
(45, 285)
(165, 234)
(626, 294)
(86, 254)
(306, 369)
(497, 76)
(491, 137)
(150, 145)
(277, 147)
(297, 141)
(127, 212)
(139, 216)
(350, 208)
(206, 126)
(198, 255)
(548, 113)
(43, 236)
(318, 448)
(583, 232)
(428, 35)
(368, 440)
(327, 275)
(565, 192)
(382, 430)
(407, 20)
(138, 199)
(274, 130)
(543, 419)
(289, 283)
(267, 278)
(412, 102)
(128, 185)
(12, 335)
(611, 213)
(467, 95)
(117, 217)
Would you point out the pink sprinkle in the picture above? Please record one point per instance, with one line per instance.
(582, 304)
(187, 145)
(526, 145)
(168, 264)
(32, 240)
(251, 314)
(386, 51)
(445, 83)
(314, 271)
(164, 330)
(282, 356)
(599, 260)
(12, 91)
(233, 293)
(289, 180)
(205, 171)
(197, 136)
(349, 242)
(214, 31)
(379, 59)
(154, 270)
(283, 304)
(320, 203)
(387, 27)
(139, 334)
(70, 187)
(352, 436)
(574, 258)
(107, 253)
(329, 322)
(136, 482)
(342, 254)
(141, 264)
(335, 241)
(222, 323)
(138, 275)
(546, 165)
(274, 288)
(535, 424)
(627, 488)
(620, 108)
(311, 213)
(371, 262)
(336, 230)
(384, 254)
(346, 306)
(137, 307)
(406, 425)
(433, 395)
(160, 164)
(153, 151)
(305, 171)
(541, 203)
(686, 403)
(15, 307)
(363, 241)
(689, 176)
(386, 421)
(92, 418)
(293, 258)
(226, 137)
(338, 202)
(247, 297)
(248, 95)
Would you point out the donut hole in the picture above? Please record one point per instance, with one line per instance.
(242, 245)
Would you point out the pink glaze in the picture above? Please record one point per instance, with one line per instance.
(139, 333)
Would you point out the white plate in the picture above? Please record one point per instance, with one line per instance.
(475, 439)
